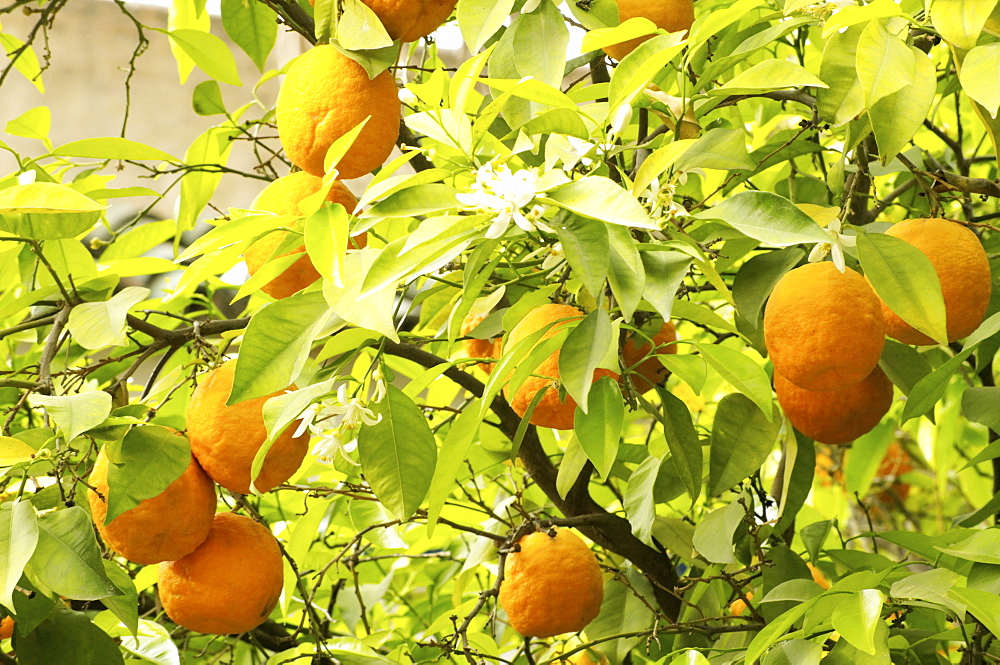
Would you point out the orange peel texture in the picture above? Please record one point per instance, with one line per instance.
(552, 585)
(670, 15)
(823, 330)
(649, 372)
(225, 439)
(325, 95)
(229, 584)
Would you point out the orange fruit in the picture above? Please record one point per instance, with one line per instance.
(648, 372)
(324, 95)
(479, 348)
(818, 576)
(823, 329)
(962, 268)
(409, 20)
(162, 528)
(283, 197)
(895, 463)
(670, 15)
(229, 584)
(739, 606)
(836, 416)
(552, 585)
(225, 439)
(551, 411)
(6, 628)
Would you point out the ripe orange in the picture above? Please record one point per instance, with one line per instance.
(162, 528)
(229, 584)
(409, 20)
(839, 416)
(963, 269)
(671, 15)
(895, 463)
(552, 585)
(648, 372)
(324, 95)
(739, 606)
(283, 197)
(823, 329)
(6, 628)
(479, 348)
(550, 411)
(225, 439)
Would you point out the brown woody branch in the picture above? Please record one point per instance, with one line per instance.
(949, 182)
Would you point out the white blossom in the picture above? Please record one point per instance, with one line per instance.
(26, 178)
(835, 248)
(335, 422)
(499, 190)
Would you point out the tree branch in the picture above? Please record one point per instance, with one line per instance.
(799, 96)
(948, 182)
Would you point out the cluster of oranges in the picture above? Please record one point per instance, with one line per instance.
(324, 96)
(218, 573)
(825, 330)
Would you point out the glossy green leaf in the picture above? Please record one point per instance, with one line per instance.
(26, 61)
(480, 19)
(46, 197)
(794, 652)
(713, 535)
(982, 405)
(599, 430)
(13, 451)
(983, 605)
(207, 98)
(960, 22)
(717, 148)
(639, 498)
(18, 538)
(683, 441)
(34, 123)
(463, 432)
(277, 342)
(742, 438)
(327, 241)
(67, 559)
(884, 62)
(126, 605)
(398, 454)
(252, 27)
(542, 38)
(771, 74)
(143, 466)
(208, 52)
(856, 618)
(844, 100)
(623, 611)
(768, 217)
(586, 346)
(113, 147)
(68, 638)
(95, 325)
(905, 279)
(74, 414)
(664, 273)
(896, 118)
(741, 373)
(980, 76)
(756, 279)
(417, 200)
(626, 285)
(601, 198)
(585, 245)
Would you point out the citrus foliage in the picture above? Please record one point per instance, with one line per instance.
(634, 245)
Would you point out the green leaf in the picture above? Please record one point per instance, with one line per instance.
(844, 99)
(277, 343)
(713, 535)
(718, 148)
(26, 62)
(798, 477)
(885, 63)
(664, 273)
(252, 26)
(18, 538)
(126, 605)
(374, 311)
(626, 284)
(34, 123)
(480, 19)
(75, 414)
(326, 235)
(113, 147)
(639, 499)
(149, 460)
(741, 373)
(980, 76)
(896, 118)
(742, 438)
(582, 352)
(454, 450)
(398, 454)
(211, 147)
(767, 217)
(771, 74)
(46, 197)
(601, 198)
(982, 405)
(794, 652)
(542, 38)
(983, 605)
(67, 638)
(756, 279)
(585, 245)
(207, 96)
(13, 451)
(982, 547)
(412, 201)
(599, 430)
(773, 632)
(95, 325)
(905, 279)
(856, 618)
(625, 610)
(904, 365)
(67, 559)
(960, 22)
(359, 28)
(683, 441)
(210, 54)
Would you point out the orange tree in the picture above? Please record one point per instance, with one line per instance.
(539, 340)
